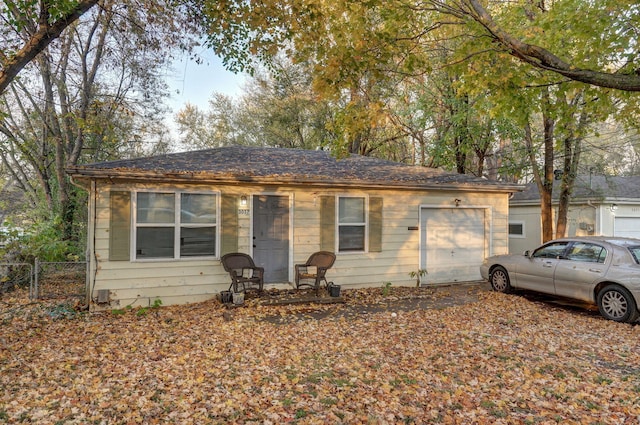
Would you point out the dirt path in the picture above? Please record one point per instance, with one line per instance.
(354, 303)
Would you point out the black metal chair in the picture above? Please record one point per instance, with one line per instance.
(243, 272)
(313, 272)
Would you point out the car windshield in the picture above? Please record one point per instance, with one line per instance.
(635, 253)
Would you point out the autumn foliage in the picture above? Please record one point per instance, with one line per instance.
(503, 359)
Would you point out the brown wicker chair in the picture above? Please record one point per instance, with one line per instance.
(313, 272)
(243, 271)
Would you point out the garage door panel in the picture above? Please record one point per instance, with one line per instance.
(453, 243)
(627, 227)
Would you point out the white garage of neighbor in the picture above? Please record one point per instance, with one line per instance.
(599, 206)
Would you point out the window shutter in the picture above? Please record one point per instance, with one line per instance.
(120, 226)
(229, 234)
(375, 224)
(328, 223)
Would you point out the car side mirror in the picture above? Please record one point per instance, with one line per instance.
(527, 253)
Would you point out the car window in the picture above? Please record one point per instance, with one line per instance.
(587, 252)
(553, 250)
(635, 253)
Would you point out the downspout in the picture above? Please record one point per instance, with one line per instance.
(94, 194)
(90, 255)
(596, 231)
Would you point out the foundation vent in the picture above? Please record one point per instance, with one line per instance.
(103, 296)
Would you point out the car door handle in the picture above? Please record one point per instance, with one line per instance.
(595, 270)
(547, 264)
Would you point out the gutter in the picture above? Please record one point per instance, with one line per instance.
(294, 180)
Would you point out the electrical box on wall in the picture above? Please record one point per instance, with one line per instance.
(586, 226)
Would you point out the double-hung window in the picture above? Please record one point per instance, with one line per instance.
(352, 224)
(175, 225)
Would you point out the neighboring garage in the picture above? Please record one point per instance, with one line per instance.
(600, 205)
(627, 226)
(454, 242)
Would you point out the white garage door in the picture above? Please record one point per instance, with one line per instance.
(627, 226)
(452, 243)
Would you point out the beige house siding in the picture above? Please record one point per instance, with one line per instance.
(140, 283)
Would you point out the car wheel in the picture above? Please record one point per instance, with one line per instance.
(500, 280)
(616, 303)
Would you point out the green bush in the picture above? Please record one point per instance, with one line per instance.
(42, 241)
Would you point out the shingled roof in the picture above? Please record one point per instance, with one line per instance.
(285, 166)
(588, 188)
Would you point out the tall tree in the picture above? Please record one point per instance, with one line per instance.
(29, 27)
(275, 109)
(603, 34)
(609, 25)
(350, 42)
(91, 95)
(556, 113)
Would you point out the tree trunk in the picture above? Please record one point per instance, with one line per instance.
(547, 184)
(544, 179)
(546, 204)
(461, 157)
(482, 147)
(572, 151)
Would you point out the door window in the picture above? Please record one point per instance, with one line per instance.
(587, 252)
(553, 250)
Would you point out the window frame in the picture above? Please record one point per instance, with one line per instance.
(523, 235)
(600, 259)
(559, 254)
(177, 224)
(364, 224)
(634, 250)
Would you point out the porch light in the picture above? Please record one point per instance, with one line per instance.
(614, 207)
(457, 201)
(243, 201)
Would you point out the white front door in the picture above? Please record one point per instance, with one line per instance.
(452, 244)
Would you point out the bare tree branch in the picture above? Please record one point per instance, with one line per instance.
(540, 57)
(45, 33)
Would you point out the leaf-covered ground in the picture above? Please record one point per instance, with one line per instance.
(504, 359)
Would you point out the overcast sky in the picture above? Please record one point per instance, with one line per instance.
(190, 82)
(195, 83)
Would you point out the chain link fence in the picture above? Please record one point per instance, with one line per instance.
(46, 280)
(16, 276)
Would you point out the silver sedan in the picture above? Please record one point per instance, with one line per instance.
(600, 270)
